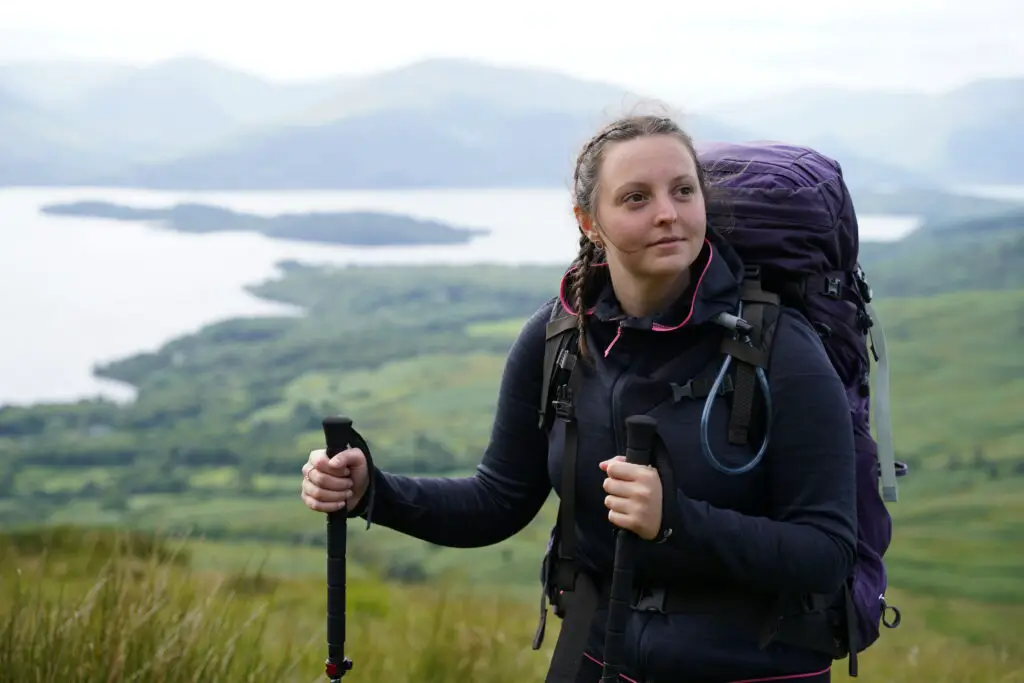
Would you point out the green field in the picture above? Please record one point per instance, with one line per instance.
(213, 446)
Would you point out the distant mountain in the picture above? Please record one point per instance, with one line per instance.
(39, 148)
(184, 105)
(192, 124)
(435, 123)
(56, 83)
(970, 135)
(453, 143)
(425, 83)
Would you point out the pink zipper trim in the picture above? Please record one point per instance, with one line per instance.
(618, 333)
(696, 291)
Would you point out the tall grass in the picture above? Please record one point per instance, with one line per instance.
(92, 608)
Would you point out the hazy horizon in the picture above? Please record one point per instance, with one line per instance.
(705, 54)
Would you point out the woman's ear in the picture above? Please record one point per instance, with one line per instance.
(584, 223)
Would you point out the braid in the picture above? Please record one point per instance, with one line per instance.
(586, 258)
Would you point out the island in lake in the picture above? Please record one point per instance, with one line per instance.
(351, 228)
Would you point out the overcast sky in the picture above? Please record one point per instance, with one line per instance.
(704, 51)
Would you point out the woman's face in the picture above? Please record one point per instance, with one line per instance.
(649, 215)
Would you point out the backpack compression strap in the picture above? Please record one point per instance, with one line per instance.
(761, 310)
(556, 341)
(577, 596)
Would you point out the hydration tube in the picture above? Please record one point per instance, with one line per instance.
(741, 329)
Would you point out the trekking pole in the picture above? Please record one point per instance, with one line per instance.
(340, 435)
(639, 440)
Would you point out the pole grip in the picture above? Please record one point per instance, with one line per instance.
(339, 435)
(640, 432)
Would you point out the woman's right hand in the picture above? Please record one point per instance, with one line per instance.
(331, 484)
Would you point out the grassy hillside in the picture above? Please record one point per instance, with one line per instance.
(225, 419)
(94, 610)
(945, 255)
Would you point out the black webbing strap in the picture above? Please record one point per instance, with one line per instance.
(851, 629)
(579, 596)
(581, 605)
(565, 410)
(748, 359)
(555, 341)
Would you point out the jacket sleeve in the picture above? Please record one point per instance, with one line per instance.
(808, 543)
(510, 484)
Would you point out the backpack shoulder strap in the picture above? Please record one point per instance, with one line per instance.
(560, 332)
(761, 309)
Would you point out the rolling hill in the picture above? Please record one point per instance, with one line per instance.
(191, 124)
(38, 147)
(184, 104)
(982, 253)
(459, 141)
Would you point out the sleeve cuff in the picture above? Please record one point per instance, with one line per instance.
(365, 507)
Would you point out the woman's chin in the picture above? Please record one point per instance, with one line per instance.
(664, 265)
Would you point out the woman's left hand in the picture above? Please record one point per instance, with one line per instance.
(634, 497)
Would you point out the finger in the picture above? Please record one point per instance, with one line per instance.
(626, 471)
(622, 521)
(322, 464)
(350, 457)
(322, 506)
(621, 505)
(326, 495)
(605, 463)
(618, 487)
(334, 468)
(637, 491)
(329, 481)
(318, 460)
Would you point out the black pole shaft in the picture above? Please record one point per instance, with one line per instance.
(640, 430)
(340, 435)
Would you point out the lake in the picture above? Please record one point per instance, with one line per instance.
(82, 291)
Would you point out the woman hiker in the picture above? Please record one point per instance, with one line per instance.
(650, 278)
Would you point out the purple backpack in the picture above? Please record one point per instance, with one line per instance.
(788, 213)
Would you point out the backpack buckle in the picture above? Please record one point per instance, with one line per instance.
(650, 600)
(833, 287)
(563, 403)
(863, 288)
(864, 320)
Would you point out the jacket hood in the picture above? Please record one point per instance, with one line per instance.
(715, 288)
